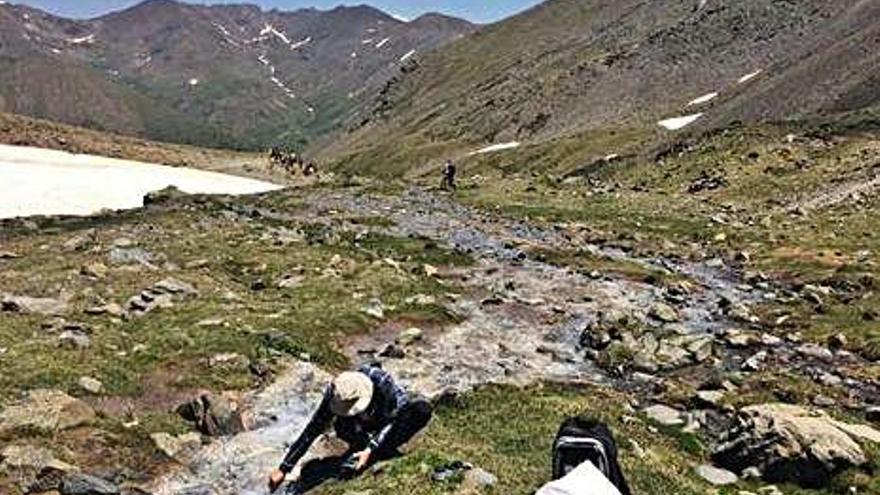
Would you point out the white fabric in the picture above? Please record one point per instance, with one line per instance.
(585, 480)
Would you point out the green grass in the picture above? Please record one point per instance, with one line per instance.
(509, 432)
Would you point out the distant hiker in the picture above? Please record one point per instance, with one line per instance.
(448, 183)
(370, 412)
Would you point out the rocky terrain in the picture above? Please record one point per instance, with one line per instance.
(152, 70)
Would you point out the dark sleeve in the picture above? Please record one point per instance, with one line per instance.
(394, 397)
(319, 423)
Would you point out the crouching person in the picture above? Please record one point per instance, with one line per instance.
(370, 412)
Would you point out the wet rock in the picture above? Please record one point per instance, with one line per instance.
(213, 415)
(664, 312)
(91, 385)
(409, 336)
(46, 411)
(33, 305)
(84, 484)
(96, 271)
(716, 476)
(790, 443)
(664, 415)
(180, 448)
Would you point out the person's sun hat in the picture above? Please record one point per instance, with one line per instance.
(352, 394)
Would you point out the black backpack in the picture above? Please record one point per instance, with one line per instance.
(581, 440)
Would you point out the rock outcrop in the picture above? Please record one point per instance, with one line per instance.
(46, 411)
(788, 443)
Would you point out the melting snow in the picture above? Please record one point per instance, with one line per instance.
(407, 56)
(269, 29)
(679, 122)
(749, 77)
(383, 43)
(36, 181)
(497, 147)
(703, 99)
(83, 40)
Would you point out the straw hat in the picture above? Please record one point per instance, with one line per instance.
(352, 394)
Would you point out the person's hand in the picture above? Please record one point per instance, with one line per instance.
(363, 458)
(275, 479)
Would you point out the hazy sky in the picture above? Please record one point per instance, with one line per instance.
(475, 10)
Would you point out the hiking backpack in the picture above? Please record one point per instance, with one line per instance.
(586, 440)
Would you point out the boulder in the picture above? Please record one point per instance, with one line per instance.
(789, 443)
(716, 476)
(46, 411)
(33, 305)
(213, 415)
(84, 484)
(36, 459)
(180, 448)
(664, 415)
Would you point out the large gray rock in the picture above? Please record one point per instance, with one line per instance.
(46, 411)
(213, 415)
(84, 484)
(33, 305)
(790, 443)
(664, 415)
(716, 476)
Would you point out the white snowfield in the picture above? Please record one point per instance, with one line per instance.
(497, 147)
(677, 123)
(36, 181)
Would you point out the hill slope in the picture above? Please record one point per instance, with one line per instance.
(231, 75)
(569, 67)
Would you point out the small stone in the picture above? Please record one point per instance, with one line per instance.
(228, 360)
(8, 255)
(477, 479)
(431, 271)
(815, 351)
(74, 339)
(392, 351)
(770, 490)
(410, 336)
(716, 476)
(824, 401)
(756, 362)
(178, 448)
(91, 385)
(709, 398)
(664, 312)
(375, 309)
(421, 300)
(111, 309)
(873, 414)
(84, 484)
(664, 415)
(97, 271)
(838, 341)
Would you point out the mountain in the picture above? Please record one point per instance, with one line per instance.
(230, 75)
(570, 68)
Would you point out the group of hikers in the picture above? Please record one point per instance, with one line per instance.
(375, 417)
(290, 162)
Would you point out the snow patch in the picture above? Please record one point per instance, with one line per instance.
(407, 55)
(677, 123)
(301, 43)
(367, 41)
(194, 82)
(36, 181)
(748, 77)
(497, 147)
(703, 99)
(269, 29)
(85, 40)
(383, 42)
